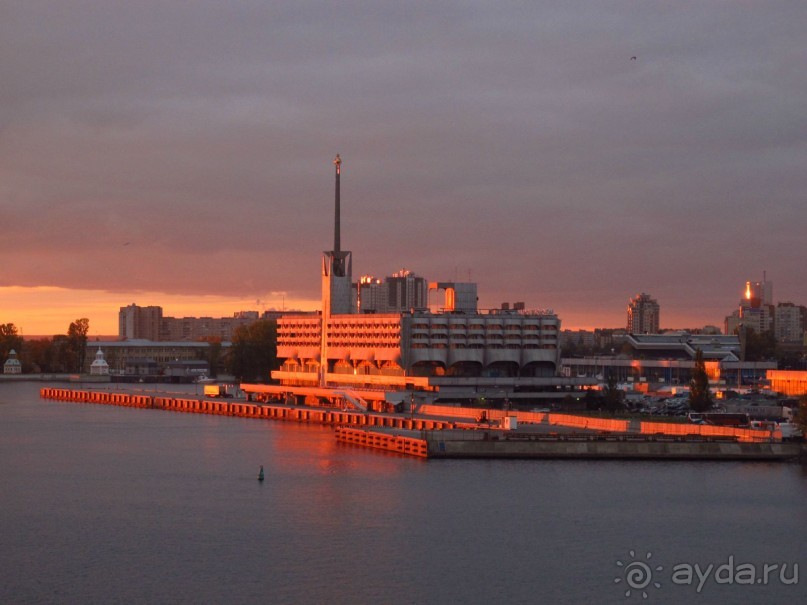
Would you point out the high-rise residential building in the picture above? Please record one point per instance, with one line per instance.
(759, 293)
(148, 323)
(136, 322)
(372, 295)
(406, 291)
(643, 315)
(789, 322)
(756, 310)
(401, 291)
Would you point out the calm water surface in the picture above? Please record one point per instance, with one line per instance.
(100, 504)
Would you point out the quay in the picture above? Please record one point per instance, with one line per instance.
(485, 444)
(452, 443)
(456, 435)
(326, 416)
(384, 440)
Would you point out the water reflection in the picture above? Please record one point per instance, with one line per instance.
(119, 504)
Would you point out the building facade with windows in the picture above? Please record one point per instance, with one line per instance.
(135, 322)
(149, 323)
(789, 322)
(669, 359)
(643, 315)
(786, 321)
(456, 346)
(396, 348)
(792, 383)
(148, 358)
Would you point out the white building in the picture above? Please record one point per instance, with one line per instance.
(12, 365)
(99, 367)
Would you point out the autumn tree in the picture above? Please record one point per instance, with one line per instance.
(77, 344)
(9, 339)
(757, 347)
(700, 398)
(800, 417)
(60, 357)
(213, 356)
(37, 355)
(612, 396)
(253, 354)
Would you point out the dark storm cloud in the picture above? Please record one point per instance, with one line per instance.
(162, 146)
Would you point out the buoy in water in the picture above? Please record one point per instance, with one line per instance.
(260, 474)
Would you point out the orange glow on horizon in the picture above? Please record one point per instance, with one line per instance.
(45, 310)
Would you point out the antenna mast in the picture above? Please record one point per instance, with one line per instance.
(337, 244)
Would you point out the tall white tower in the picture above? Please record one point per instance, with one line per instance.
(337, 278)
(337, 267)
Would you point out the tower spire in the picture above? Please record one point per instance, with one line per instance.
(337, 244)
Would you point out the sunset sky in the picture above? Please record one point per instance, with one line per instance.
(180, 154)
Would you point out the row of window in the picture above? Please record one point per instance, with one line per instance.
(480, 347)
(363, 326)
(483, 327)
(395, 331)
(473, 337)
(342, 344)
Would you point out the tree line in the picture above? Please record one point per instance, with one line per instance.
(252, 356)
(59, 354)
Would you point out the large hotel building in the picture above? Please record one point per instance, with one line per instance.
(358, 342)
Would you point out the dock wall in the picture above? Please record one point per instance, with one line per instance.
(580, 447)
(244, 410)
(410, 446)
(611, 425)
(437, 440)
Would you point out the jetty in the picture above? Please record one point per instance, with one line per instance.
(268, 411)
(439, 432)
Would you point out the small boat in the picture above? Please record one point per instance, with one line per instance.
(260, 474)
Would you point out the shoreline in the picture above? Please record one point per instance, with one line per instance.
(445, 438)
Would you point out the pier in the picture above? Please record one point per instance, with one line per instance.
(453, 433)
(326, 416)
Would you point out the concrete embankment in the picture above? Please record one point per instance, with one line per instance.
(609, 425)
(434, 438)
(220, 407)
(481, 444)
(410, 446)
